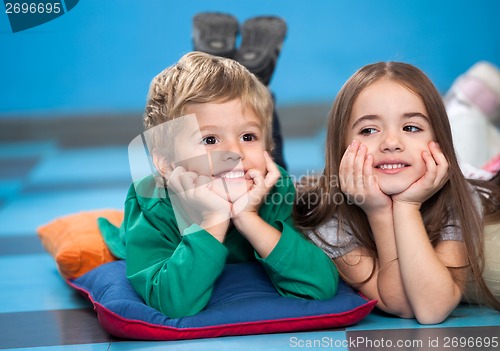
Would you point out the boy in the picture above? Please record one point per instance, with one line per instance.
(226, 200)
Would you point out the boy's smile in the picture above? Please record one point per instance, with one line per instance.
(393, 124)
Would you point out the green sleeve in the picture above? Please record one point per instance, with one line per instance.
(299, 268)
(296, 266)
(172, 273)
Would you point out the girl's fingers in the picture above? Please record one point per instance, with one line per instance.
(437, 166)
(358, 169)
(368, 171)
(346, 170)
(440, 159)
(431, 166)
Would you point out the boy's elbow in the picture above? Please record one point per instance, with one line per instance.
(174, 305)
(178, 312)
(327, 288)
(324, 292)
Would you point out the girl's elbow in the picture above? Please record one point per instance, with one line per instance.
(437, 312)
(423, 316)
(431, 318)
(398, 311)
(432, 315)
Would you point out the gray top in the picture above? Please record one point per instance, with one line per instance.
(336, 243)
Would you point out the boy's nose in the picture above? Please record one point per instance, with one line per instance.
(229, 155)
(233, 151)
(223, 161)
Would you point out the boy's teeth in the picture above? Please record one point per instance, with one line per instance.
(232, 175)
(392, 166)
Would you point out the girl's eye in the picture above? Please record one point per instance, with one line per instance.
(248, 137)
(367, 131)
(209, 140)
(412, 129)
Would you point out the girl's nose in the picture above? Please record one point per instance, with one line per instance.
(391, 143)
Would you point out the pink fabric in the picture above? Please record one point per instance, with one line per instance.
(493, 165)
(479, 94)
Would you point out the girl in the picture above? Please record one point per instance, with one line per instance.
(392, 208)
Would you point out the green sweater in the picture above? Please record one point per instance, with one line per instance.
(175, 273)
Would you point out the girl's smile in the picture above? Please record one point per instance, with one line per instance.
(392, 166)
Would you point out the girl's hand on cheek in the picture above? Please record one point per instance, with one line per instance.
(435, 177)
(358, 182)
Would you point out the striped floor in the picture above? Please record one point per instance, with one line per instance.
(42, 180)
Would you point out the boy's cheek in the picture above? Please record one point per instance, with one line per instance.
(198, 164)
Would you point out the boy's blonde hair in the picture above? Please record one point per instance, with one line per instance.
(202, 78)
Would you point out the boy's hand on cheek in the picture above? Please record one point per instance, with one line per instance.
(253, 198)
(435, 177)
(358, 182)
(193, 193)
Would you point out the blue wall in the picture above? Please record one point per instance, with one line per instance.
(101, 56)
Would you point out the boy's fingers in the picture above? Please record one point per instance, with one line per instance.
(173, 181)
(202, 180)
(273, 173)
(187, 180)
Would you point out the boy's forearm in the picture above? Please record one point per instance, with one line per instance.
(261, 235)
(217, 226)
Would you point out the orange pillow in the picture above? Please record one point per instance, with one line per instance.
(76, 243)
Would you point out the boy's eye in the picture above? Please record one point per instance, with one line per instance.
(209, 140)
(368, 131)
(248, 137)
(412, 129)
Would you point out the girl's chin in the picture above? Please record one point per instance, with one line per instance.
(393, 189)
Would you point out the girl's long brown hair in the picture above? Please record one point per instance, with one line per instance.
(453, 199)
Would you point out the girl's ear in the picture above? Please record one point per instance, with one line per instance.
(161, 163)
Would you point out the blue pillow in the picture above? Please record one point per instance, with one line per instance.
(237, 307)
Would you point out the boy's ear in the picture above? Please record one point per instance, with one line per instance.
(161, 163)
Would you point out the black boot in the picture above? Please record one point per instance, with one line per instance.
(215, 33)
